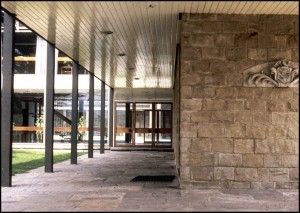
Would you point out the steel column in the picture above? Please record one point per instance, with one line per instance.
(74, 120)
(7, 98)
(81, 108)
(102, 120)
(110, 118)
(127, 122)
(49, 108)
(91, 117)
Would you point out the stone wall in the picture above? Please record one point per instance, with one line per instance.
(176, 111)
(233, 136)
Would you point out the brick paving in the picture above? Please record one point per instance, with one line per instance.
(103, 183)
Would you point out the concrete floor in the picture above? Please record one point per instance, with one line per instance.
(103, 183)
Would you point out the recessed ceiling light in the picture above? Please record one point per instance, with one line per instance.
(152, 5)
(121, 54)
(107, 32)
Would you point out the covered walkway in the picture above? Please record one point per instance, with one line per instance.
(103, 183)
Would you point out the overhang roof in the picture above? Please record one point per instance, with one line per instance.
(144, 34)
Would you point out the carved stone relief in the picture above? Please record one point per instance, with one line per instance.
(279, 74)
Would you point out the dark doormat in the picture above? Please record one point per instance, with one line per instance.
(158, 178)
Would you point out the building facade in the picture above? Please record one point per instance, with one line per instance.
(224, 86)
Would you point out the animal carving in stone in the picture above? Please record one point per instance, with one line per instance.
(281, 74)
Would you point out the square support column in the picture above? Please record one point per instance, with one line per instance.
(74, 120)
(110, 118)
(7, 98)
(91, 117)
(102, 120)
(127, 122)
(49, 108)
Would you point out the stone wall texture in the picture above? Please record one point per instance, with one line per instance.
(176, 111)
(233, 136)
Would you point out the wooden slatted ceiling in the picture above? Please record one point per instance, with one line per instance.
(146, 31)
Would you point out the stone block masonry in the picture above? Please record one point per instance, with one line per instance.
(231, 136)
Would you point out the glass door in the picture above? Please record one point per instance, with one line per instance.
(143, 124)
(163, 124)
(124, 124)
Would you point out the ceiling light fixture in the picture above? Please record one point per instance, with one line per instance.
(107, 32)
(152, 5)
(136, 78)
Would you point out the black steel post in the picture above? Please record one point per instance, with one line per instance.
(7, 98)
(74, 122)
(102, 124)
(91, 117)
(49, 108)
(111, 120)
(127, 122)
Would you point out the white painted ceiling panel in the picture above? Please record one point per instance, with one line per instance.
(144, 31)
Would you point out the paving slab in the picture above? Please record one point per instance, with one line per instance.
(103, 183)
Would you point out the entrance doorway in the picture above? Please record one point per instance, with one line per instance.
(143, 124)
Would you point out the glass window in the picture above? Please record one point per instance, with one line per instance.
(82, 70)
(25, 52)
(163, 106)
(64, 64)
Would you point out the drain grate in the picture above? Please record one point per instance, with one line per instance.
(158, 178)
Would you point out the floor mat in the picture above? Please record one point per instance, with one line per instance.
(159, 178)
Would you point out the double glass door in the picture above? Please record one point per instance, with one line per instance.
(143, 124)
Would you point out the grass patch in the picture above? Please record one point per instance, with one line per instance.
(25, 160)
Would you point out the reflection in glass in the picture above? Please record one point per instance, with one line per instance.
(124, 123)
(149, 126)
(25, 52)
(163, 124)
(143, 139)
(28, 89)
(163, 106)
(64, 64)
(62, 116)
(163, 119)
(143, 119)
(163, 139)
(123, 115)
